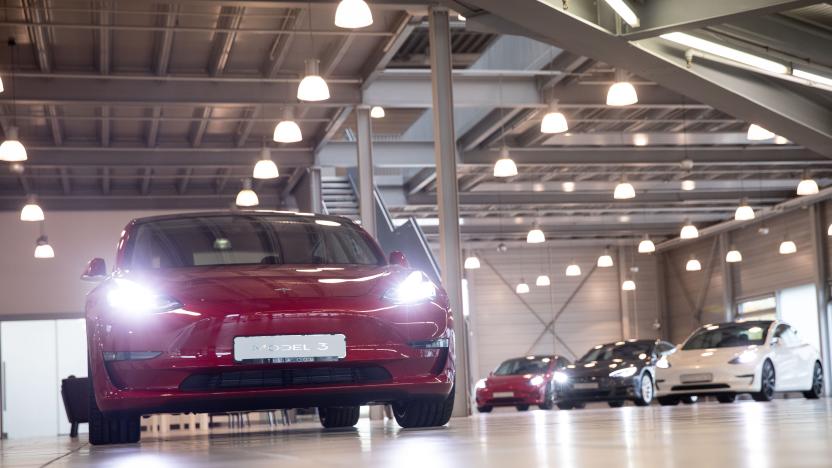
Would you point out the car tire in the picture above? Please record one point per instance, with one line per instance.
(565, 405)
(578, 405)
(817, 383)
(484, 409)
(727, 398)
(340, 416)
(690, 399)
(115, 428)
(645, 391)
(615, 404)
(668, 400)
(522, 407)
(420, 413)
(767, 383)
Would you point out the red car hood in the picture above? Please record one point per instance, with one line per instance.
(253, 282)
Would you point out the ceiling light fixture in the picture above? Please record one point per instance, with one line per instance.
(377, 112)
(568, 186)
(807, 185)
(12, 150)
(646, 245)
(543, 280)
(624, 191)
(628, 285)
(625, 12)
(247, 196)
(758, 133)
(353, 14)
(806, 75)
(622, 92)
(733, 255)
(522, 287)
(726, 52)
(472, 262)
(744, 212)
(505, 166)
(693, 264)
(573, 269)
(535, 235)
(688, 185)
(554, 121)
(640, 139)
(605, 260)
(689, 231)
(829, 231)
(265, 167)
(287, 130)
(43, 249)
(313, 87)
(31, 210)
(787, 247)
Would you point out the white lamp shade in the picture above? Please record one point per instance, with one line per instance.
(265, 169)
(624, 191)
(472, 263)
(646, 246)
(522, 288)
(605, 261)
(689, 231)
(568, 186)
(744, 213)
(829, 230)
(628, 285)
(43, 249)
(12, 150)
(31, 212)
(788, 247)
(807, 187)
(377, 112)
(287, 131)
(733, 256)
(758, 133)
(573, 270)
(693, 265)
(505, 167)
(688, 185)
(622, 93)
(1, 86)
(353, 14)
(312, 87)
(554, 122)
(535, 236)
(247, 196)
(543, 280)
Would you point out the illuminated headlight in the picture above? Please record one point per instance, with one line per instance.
(560, 377)
(744, 357)
(536, 380)
(663, 363)
(624, 373)
(415, 288)
(130, 296)
(480, 384)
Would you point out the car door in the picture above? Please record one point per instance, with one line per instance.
(806, 356)
(782, 357)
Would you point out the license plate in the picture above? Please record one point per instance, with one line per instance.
(696, 378)
(585, 386)
(503, 394)
(290, 348)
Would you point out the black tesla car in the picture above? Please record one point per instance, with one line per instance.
(612, 372)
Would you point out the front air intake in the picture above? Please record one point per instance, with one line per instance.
(285, 378)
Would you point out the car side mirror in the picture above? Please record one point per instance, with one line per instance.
(775, 341)
(96, 270)
(398, 258)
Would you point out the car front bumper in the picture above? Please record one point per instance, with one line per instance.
(608, 389)
(526, 395)
(704, 380)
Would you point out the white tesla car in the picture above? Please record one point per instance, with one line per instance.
(758, 357)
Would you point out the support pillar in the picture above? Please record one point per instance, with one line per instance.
(821, 274)
(624, 304)
(366, 207)
(450, 246)
(727, 277)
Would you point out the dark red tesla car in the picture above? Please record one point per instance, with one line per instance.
(236, 311)
(521, 382)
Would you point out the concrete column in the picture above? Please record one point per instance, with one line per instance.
(624, 303)
(727, 277)
(821, 256)
(366, 207)
(315, 190)
(450, 248)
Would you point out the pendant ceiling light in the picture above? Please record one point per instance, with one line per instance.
(573, 269)
(313, 87)
(353, 14)
(693, 264)
(535, 235)
(505, 166)
(787, 247)
(689, 231)
(624, 191)
(829, 231)
(733, 255)
(31, 210)
(472, 262)
(377, 112)
(568, 186)
(622, 92)
(247, 196)
(807, 185)
(554, 121)
(758, 133)
(265, 167)
(287, 130)
(12, 150)
(522, 287)
(646, 245)
(744, 211)
(688, 185)
(43, 249)
(605, 260)
(543, 280)
(628, 285)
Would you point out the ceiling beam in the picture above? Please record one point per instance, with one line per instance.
(486, 127)
(377, 63)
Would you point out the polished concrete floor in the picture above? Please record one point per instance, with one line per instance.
(785, 433)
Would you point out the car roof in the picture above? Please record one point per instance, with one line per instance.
(247, 213)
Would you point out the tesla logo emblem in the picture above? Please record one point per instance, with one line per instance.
(283, 290)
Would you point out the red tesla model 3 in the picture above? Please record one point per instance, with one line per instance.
(521, 382)
(237, 311)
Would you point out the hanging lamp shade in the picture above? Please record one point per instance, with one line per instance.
(313, 87)
(573, 269)
(247, 197)
(522, 287)
(472, 262)
(758, 133)
(505, 167)
(605, 260)
(807, 186)
(43, 249)
(287, 130)
(628, 285)
(353, 14)
(31, 210)
(554, 121)
(624, 191)
(377, 112)
(688, 185)
(543, 280)
(535, 235)
(744, 212)
(265, 167)
(12, 150)
(646, 245)
(787, 247)
(622, 92)
(733, 255)
(693, 264)
(689, 231)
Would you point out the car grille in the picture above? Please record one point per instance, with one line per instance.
(281, 378)
(699, 387)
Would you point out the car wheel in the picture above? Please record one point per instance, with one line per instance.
(668, 400)
(690, 399)
(565, 405)
(727, 398)
(579, 405)
(615, 404)
(644, 391)
(767, 382)
(522, 407)
(105, 429)
(485, 409)
(342, 416)
(416, 413)
(817, 384)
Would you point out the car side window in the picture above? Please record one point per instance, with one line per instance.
(663, 349)
(783, 333)
(562, 362)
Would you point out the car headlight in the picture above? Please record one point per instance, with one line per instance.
(663, 363)
(130, 296)
(744, 357)
(480, 384)
(415, 288)
(560, 377)
(536, 380)
(624, 373)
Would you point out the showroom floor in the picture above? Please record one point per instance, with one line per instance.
(746, 434)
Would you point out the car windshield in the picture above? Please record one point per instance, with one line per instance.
(728, 335)
(248, 239)
(527, 365)
(624, 351)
